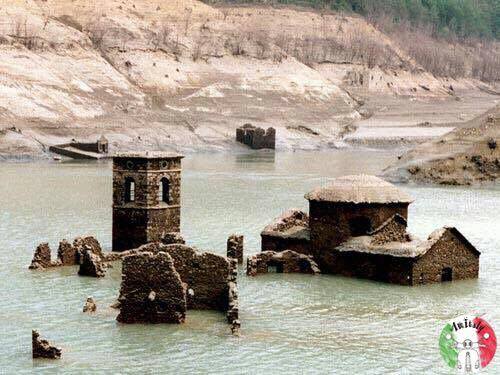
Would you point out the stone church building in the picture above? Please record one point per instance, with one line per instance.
(357, 227)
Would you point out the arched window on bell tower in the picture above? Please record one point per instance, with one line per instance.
(129, 189)
(164, 190)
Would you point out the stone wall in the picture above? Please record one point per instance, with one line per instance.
(289, 231)
(207, 276)
(151, 290)
(329, 224)
(256, 138)
(281, 262)
(386, 268)
(393, 230)
(235, 247)
(449, 251)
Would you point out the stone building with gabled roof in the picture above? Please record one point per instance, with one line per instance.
(357, 227)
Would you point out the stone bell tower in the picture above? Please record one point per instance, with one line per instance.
(146, 198)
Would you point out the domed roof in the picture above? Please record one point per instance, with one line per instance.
(359, 189)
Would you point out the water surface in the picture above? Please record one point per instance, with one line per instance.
(290, 323)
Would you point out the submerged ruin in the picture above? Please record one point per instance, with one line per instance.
(286, 261)
(256, 138)
(83, 150)
(357, 227)
(207, 282)
(42, 348)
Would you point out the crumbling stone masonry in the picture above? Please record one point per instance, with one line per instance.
(151, 290)
(235, 247)
(256, 138)
(146, 198)
(281, 262)
(91, 264)
(290, 231)
(233, 305)
(42, 349)
(209, 279)
(67, 254)
(41, 257)
(90, 305)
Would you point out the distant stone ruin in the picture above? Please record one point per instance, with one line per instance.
(83, 150)
(235, 247)
(256, 138)
(42, 349)
(281, 262)
(209, 280)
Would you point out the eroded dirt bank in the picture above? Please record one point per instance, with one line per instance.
(470, 154)
(181, 75)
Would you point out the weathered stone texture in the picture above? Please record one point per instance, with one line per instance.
(41, 257)
(235, 247)
(42, 348)
(393, 229)
(151, 290)
(451, 251)
(256, 138)
(147, 218)
(232, 313)
(173, 238)
(281, 262)
(90, 305)
(67, 254)
(91, 264)
(289, 231)
(332, 223)
(205, 274)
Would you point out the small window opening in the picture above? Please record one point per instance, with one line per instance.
(164, 190)
(447, 274)
(360, 226)
(129, 190)
(275, 267)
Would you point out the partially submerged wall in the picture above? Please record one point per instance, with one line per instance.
(151, 290)
(290, 231)
(209, 279)
(281, 262)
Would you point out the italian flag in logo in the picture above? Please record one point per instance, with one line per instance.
(467, 343)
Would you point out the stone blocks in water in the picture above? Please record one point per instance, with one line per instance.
(151, 290)
(89, 306)
(42, 348)
(91, 264)
(41, 257)
(235, 247)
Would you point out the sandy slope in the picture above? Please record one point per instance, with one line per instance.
(467, 155)
(179, 74)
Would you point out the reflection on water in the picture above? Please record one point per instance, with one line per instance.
(290, 323)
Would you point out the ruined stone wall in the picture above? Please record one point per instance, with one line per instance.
(281, 262)
(151, 291)
(235, 247)
(448, 251)
(394, 230)
(279, 243)
(386, 268)
(256, 138)
(329, 224)
(205, 274)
